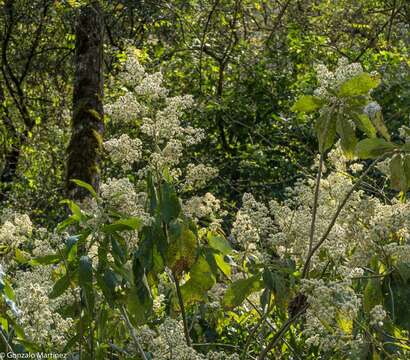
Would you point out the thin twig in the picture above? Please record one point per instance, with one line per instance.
(132, 332)
(182, 307)
(314, 210)
(305, 271)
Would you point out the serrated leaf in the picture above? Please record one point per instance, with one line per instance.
(239, 290)
(358, 85)
(307, 104)
(373, 148)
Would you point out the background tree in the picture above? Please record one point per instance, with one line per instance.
(84, 150)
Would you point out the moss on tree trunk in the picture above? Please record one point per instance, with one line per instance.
(84, 150)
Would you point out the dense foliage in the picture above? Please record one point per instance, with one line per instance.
(253, 174)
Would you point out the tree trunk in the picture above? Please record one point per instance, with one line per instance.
(84, 150)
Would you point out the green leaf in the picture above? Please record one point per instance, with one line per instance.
(380, 126)
(131, 223)
(406, 167)
(74, 208)
(85, 277)
(222, 264)
(373, 148)
(218, 242)
(363, 123)
(239, 290)
(86, 186)
(347, 132)
(398, 179)
(358, 85)
(182, 248)
(326, 130)
(201, 279)
(170, 206)
(45, 260)
(59, 287)
(307, 104)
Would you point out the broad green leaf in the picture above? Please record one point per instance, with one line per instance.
(222, 264)
(358, 85)
(239, 290)
(201, 279)
(218, 242)
(363, 123)
(170, 206)
(45, 260)
(182, 248)
(326, 130)
(380, 126)
(307, 104)
(373, 148)
(139, 305)
(59, 287)
(398, 180)
(347, 132)
(131, 223)
(86, 186)
(85, 277)
(74, 208)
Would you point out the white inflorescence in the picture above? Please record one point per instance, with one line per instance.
(124, 150)
(329, 81)
(253, 223)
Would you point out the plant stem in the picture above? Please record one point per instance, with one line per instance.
(314, 210)
(305, 272)
(182, 307)
(280, 333)
(132, 332)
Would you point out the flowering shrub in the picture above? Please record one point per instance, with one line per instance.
(143, 270)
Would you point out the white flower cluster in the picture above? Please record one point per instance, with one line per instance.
(170, 344)
(157, 116)
(204, 207)
(329, 81)
(333, 306)
(126, 109)
(124, 150)
(39, 314)
(15, 230)
(120, 194)
(253, 223)
(377, 315)
(197, 176)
